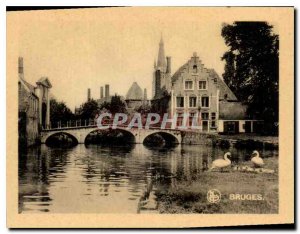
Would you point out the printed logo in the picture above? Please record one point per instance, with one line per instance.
(214, 196)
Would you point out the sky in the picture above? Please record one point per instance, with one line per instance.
(81, 49)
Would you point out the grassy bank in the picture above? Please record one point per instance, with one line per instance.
(191, 196)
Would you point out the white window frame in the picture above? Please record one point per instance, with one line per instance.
(208, 115)
(211, 116)
(213, 121)
(189, 101)
(208, 101)
(205, 84)
(193, 83)
(183, 102)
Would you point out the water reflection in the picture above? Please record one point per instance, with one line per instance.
(107, 179)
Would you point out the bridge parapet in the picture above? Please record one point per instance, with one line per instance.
(81, 132)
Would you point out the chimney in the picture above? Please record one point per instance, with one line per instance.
(20, 67)
(101, 92)
(168, 65)
(106, 90)
(89, 94)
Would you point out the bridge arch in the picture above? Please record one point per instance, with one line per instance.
(134, 135)
(169, 138)
(118, 136)
(61, 138)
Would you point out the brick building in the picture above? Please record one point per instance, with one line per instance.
(196, 90)
(34, 107)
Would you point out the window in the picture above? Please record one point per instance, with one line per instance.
(213, 115)
(213, 124)
(180, 115)
(180, 101)
(188, 85)
(192, 101)
(205, 101)
(195, 69)
(204, 116)
(202, 84)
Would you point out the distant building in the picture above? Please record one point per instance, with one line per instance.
(135, 97)
(162, 73)
(34, 107)
(196, 90)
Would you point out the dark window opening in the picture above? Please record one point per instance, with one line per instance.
(205, 101)
(195, 69)
(180, 101)
(193, 101)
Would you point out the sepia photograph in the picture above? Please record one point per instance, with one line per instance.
(150, 111)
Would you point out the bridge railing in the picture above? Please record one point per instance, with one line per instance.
(109, 121)
(72, 123)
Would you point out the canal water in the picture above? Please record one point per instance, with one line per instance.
(108, 179)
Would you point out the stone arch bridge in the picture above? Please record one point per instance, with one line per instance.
(80, 133)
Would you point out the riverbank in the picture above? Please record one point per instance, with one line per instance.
(240, 141)
(191, 196)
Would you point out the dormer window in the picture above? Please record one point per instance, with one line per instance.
(195, 69)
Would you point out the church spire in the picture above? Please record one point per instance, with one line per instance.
(161, 61)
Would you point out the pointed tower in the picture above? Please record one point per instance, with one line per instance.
(161, 60)
(162, 72)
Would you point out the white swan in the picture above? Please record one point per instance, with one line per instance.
(256, 160)
(221, 163)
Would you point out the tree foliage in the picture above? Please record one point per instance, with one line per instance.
(252, 67)
(59, 112)
(143, 109)
(88, 110)
(116, 105)
(161, 105)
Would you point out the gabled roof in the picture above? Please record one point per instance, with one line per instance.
(224, 89)
(45, 82)
(179, 72)
(29, 87)
(135, 92)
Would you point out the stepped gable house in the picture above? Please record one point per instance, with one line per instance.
(197, 90)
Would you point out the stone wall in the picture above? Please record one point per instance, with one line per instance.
(198, 138)
(28, 116)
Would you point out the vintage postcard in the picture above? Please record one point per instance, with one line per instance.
(150, 117)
